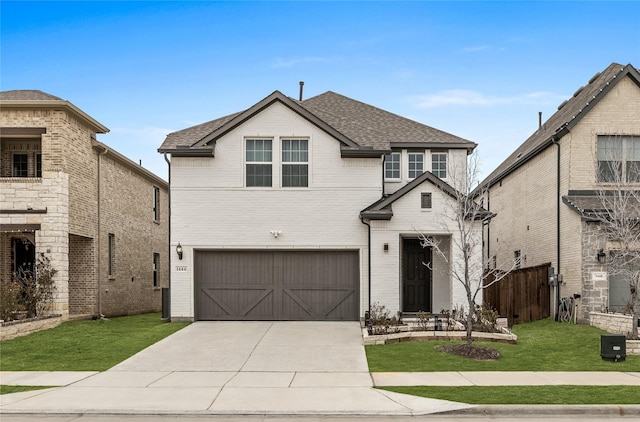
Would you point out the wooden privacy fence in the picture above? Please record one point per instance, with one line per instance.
(522, 296)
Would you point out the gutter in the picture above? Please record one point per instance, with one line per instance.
(557, 297)
(100, 154)
(369, 267)
(169, 229)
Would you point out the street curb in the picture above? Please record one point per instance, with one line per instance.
(550, 409)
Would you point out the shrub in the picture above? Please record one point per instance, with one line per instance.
(31, 293)
(379, 321)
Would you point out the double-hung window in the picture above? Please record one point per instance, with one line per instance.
(295, 163)
(416, 164)
(618, 159)
(38, 165)
(439, 164)
(392, 166)
(258, 160)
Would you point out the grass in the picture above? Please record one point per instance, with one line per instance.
(542, 346)
(8, 389)
(542, 394)
(84, 345)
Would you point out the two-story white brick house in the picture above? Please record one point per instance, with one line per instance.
(544, 191)
(100, 218)
(310, 210)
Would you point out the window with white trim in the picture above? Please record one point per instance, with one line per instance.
(439, 164)
(295, 163)
(416, 164)
(258, 162)
(618, 159)
(392, 166)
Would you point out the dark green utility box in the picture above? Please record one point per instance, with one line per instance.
(613, 347)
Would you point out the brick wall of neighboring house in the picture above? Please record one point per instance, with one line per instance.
(51, 192)
(82, 276)
(69, 229)
(126, 211)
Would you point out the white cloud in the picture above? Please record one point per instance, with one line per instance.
(280, 62)
(464, 97)
(476, 48)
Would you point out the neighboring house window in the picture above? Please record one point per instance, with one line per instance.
(20, 165)
(618, 159)
(156, 269)
(426, 200)
(38, 165)
(517, 256)
(392, 166)
(295, 163)
(258, 162)
(156, 203)
(439, 164)
(416, 164)
(112, 254)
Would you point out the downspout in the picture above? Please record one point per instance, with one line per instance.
(169, 229)
(369, 265)
(557, 295)
(104, 151)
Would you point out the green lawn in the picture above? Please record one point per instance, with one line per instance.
(542, 346)
(543, 394)
(84, 345)
(8, 389)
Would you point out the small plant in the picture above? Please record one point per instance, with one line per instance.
(379, 320)
(424, 319)
(10, 305)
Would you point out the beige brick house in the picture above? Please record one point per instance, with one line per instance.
(99, 217)
(542, 191)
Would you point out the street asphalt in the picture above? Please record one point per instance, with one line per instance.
(269, 368)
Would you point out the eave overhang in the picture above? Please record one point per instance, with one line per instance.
(81, 115)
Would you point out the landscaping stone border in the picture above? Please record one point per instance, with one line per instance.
(408, 336)
(22, 327)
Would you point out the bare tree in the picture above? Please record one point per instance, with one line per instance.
(617, 214)
(466, 217)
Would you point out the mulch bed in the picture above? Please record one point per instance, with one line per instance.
(470, 351)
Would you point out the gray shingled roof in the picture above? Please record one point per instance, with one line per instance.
(568, 115)
(27, 95)
(593, 205)
(358, 123)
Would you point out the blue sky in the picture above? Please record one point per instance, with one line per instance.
(480, 70)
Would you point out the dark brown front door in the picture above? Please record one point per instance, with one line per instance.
(416, 276)
(277, 285)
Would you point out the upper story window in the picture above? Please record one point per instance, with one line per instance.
(295, 163)
(618, 159)
(258, 159)
(392, 166)
(416, 164)
(20, 165)
(439, 164)
(156, 203)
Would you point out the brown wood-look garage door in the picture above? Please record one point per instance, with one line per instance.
(276, 285)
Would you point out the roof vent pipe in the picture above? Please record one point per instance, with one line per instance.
(539, 119)
(301, 85)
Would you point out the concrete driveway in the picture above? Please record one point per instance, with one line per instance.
(246, 368)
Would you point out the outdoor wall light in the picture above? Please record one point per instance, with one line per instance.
(179, 251)
(602, 257)
(386, 247)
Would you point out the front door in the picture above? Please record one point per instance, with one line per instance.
(416, 276)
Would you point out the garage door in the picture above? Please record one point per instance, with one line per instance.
(276, 285)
